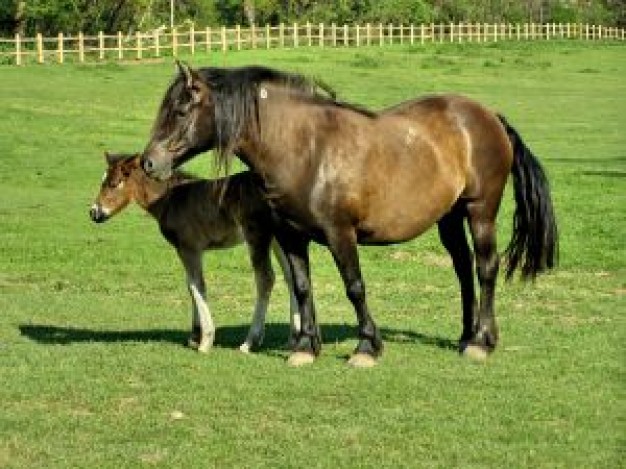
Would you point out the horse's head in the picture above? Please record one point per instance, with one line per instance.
(115, 192)
(184, 127)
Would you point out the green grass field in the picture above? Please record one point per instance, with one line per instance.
(93, 371)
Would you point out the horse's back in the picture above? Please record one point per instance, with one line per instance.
(428, 153)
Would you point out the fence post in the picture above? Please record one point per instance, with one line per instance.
(139, 52)
(223, 38)
(321, 35)
(81, 47)
(268, 38)
(174, 42)
(238, 36)
(60, 48)
(253, 33)
(192, 39)
(308, 33)
(281, 35)
(157, 51)
(345, 35)
(380, 34)
(295, 35)
(120, 51)
(357, 36)
(422, 33)
(100, 45)
(401, 28)
(390, 33)
(18, 50)
(368, 34)
(39, 48)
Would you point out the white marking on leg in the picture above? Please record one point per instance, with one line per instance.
(206, 321)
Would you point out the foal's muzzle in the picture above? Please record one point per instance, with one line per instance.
(96, 214)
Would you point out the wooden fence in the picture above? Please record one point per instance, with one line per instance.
(160, 43)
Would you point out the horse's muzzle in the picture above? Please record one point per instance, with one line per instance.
(96, 214)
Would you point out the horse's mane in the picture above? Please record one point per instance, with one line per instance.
(235, 94)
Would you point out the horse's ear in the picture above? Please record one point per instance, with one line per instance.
(110, 158)
(186, 72)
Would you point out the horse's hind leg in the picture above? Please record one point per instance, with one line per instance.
(483, 228)
(202, 327)
(264, 280)
(452, 235)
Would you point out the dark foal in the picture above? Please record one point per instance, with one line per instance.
(341, 175)
(196, 215)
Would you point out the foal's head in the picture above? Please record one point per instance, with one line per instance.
(116, 191)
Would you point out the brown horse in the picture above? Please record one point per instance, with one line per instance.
(342, 175)
(195, 215)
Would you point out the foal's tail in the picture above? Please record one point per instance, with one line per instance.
(534, 243)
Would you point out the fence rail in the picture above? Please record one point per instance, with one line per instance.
(159, 43)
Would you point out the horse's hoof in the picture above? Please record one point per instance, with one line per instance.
(362, 360)
(475, 353)
(245, 348)
(300, 359)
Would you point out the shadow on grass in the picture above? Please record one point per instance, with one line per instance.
(227, 336)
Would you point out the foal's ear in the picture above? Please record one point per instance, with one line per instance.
(111, 158)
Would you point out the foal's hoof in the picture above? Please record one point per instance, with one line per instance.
(246, 347)
(362, 360)
(475, 353)
(300, 359)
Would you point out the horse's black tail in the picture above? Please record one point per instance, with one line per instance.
(534, 244)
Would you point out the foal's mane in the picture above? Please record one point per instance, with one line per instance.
(235, 94)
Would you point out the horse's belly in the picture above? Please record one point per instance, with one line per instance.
(404, 218)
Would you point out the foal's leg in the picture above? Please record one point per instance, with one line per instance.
(294, 313)
(344, 249)
(485, 330)
(264, 280)
(202, 327)
(452, 235)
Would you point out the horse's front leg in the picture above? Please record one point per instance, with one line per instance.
(343, 246)
(294, 313)
(264, 279)
(308, 342)
(202, 327)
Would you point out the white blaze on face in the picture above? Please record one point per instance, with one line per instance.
(101, 209)
(104, 177)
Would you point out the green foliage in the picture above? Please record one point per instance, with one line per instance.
(93, 370)
(400, 12)
(71, 16)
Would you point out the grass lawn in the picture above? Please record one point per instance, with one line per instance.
(93, 371)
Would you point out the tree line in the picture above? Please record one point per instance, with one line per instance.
(90, 16)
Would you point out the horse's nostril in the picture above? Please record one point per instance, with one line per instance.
(93, 214)
(147, 165)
